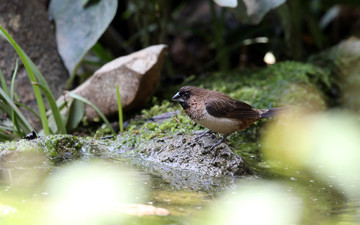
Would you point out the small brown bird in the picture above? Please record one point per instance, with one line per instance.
(219, 112)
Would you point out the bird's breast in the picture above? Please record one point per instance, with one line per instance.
(219, 124)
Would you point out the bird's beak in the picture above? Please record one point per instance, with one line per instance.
(177, 98)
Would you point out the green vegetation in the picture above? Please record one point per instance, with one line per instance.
(29, 66)
(82, 99)
(20, 126)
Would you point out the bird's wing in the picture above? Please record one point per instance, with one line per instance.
(230, 108)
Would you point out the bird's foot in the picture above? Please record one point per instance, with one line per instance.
(217, 143)
(203, 134)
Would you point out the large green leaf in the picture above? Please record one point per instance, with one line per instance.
(252, 11)
(79, 26)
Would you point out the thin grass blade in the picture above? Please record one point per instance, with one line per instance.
(3, 83)
(32, 78)
(16, 126)
(27, 128)
(119, 109)
(55, 110)
(6, 135)
(19, 104)
(12, 88)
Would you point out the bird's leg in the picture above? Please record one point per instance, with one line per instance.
(203, 134)
(219, 142)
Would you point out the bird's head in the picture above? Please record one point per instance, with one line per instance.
(185, 94)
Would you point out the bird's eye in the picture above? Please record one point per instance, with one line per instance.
(186, 94)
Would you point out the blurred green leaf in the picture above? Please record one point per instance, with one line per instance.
(102, 53)
(75, 114)
(78, 27)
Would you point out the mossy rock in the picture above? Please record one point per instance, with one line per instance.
(57, 148)
(288, 83)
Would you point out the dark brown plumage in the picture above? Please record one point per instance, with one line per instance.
(217, 111)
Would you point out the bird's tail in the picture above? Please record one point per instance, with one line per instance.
(265, 113)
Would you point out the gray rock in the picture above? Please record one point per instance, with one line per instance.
(182, 152)
(136, 74)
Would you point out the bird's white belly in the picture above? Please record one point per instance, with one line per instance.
(219, 124)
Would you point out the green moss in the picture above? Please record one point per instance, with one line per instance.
(104, 130)
(61, 146)
(165, 106)
(137, 133)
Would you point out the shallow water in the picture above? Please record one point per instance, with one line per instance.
(24, 191)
